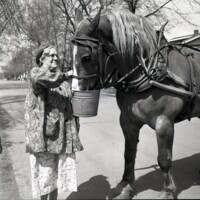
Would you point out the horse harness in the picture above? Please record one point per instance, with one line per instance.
(121, 83)
(156, 70)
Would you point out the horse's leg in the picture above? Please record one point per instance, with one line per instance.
(131, 133)
(53, 195)
(1, 148)
(165, 136)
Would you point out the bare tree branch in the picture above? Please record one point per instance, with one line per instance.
(54, 27)
(158, 9)
(84, 6)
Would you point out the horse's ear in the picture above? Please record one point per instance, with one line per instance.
(78, 16)
(95, 22)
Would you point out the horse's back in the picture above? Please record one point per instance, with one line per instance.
(152, 103)
(185, 65)
(195, 61)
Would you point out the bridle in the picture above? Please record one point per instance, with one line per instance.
(103, 82)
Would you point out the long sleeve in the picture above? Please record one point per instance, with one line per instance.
(50, 124)
(40, 79)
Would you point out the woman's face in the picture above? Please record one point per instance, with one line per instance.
(51, 60)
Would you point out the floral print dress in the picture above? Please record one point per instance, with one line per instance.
(51, 133)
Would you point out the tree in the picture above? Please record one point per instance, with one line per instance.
(37, 23)
(7, 12)
(29, 23)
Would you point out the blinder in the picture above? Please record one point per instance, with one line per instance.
(96, 57)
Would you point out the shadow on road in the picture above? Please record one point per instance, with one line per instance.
(186, 173)
(95, 188)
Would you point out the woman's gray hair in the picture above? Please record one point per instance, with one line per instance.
(46, 53)
(42, 53)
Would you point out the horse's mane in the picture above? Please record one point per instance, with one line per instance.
(131, 31)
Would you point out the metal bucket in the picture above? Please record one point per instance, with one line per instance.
(85, 102)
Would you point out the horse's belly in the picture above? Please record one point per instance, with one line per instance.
(146, 107)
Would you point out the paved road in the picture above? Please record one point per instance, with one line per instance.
(100, 165)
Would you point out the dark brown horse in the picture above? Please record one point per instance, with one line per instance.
(157, 83)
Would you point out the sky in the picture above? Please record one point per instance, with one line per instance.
(184, 28)
(181, 27)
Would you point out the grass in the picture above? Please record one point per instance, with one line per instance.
(13, 85)
(4, 85)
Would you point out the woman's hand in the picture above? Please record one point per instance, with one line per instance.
(69, 73)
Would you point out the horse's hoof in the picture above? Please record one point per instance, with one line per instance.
(166, 194)
(122, 191)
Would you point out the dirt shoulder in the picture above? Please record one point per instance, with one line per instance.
(8, 185)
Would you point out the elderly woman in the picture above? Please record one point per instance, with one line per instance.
(51, 129)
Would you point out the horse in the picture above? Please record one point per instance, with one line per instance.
(157, 83)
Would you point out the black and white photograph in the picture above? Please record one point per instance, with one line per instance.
(99, 99)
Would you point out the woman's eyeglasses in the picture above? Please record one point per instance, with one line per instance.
(53, 55)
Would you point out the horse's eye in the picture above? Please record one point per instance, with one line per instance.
(86, 58)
